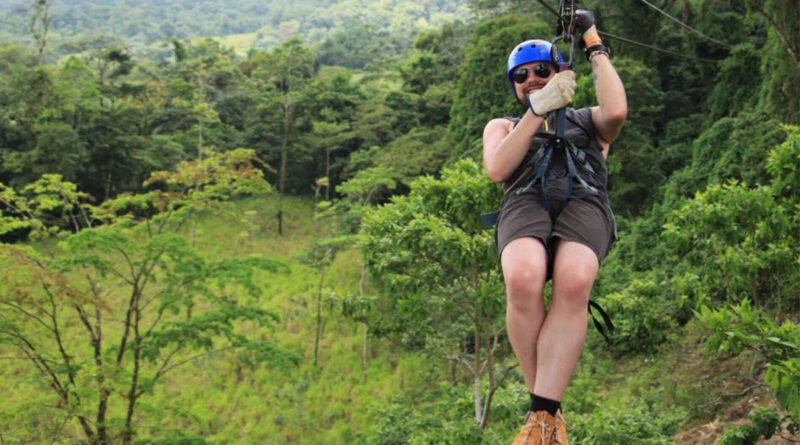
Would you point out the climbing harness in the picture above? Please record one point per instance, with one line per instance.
(538, 163)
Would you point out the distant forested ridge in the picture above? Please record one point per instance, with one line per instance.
(78, 25)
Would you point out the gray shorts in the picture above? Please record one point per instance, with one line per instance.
(585, 218)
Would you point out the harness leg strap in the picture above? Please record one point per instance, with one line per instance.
(606, 319)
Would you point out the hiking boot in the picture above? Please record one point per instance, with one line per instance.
(561, 429)
(542, 429)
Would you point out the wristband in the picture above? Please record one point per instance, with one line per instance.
(592, 55)
(530, 105)
(599, 48)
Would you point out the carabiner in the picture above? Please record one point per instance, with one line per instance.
(567, 21)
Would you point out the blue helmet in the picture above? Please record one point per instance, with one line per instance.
(532, 51)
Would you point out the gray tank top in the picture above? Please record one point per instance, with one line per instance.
(580, 131)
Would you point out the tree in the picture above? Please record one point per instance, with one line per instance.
(320, 256)
(330, 137)
(201, 77)
(331, 103)
(781, 15)
(12, 55)
(781, 64)
(111, 132)
(359, 45)
(441, 289)
(30, 95)
(284, 74)
(62, 300)
(40, 24)
(375, 122)
(420, 151)
(359, 195)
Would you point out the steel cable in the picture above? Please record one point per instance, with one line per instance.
(684, 24)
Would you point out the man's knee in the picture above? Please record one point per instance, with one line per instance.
(575, 285)
(574, 273)
(524, 287)
(524, 268)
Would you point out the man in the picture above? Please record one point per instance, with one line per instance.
(545, 231)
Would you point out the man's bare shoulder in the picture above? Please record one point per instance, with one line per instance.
(499, 124)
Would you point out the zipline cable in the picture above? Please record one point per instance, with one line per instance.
(666, 51)
(550, 8)
(684, 24)
(701, 59)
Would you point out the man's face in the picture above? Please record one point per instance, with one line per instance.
(531, 77)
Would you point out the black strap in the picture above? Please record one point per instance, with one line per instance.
(572, 172)
(606, 319)
(541, 174)
(561, 122)
(490, 219)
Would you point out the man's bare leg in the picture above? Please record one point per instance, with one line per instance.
(524, 262)
(563, 332)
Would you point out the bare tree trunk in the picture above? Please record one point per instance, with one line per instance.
(789, 39)
(108, 185)
(328, 173)
(282, 173)
(365, 353)
(365, 346)
(67, 363)
(319, 314)
(199, 155)
(685, 15)
(90, 434)
(490, 366)
(200, 140)
(133, 393)
(103, 393)
(477, 375)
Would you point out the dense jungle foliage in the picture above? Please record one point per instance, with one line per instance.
(201, 245)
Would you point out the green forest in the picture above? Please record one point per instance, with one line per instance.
(259, 223)
(351, 29)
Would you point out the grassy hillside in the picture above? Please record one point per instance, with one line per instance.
(678, 388)
(214, 398)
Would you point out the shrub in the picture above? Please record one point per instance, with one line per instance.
(642, 316)
(636, 423)
(764, 422)
(739, 327)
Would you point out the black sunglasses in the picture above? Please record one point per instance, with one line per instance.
(520, 75)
